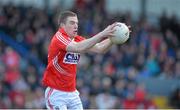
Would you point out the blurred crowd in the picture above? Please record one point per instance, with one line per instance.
(104, 81)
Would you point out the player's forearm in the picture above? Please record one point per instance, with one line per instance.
(84, 45)
(88, 43)
(104, 46)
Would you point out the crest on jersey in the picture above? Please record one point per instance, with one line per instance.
(71, 58)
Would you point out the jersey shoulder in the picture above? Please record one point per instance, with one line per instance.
(79, 38)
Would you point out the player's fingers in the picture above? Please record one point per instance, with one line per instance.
(112, 30)
(111, 35)
(129, 28)
(114, 25)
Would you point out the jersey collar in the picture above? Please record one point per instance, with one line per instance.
(63, 32)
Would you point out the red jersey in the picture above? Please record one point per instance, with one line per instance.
(60, 73)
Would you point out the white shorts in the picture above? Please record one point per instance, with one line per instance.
(60, 100)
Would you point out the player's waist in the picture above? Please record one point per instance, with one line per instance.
(63, 91)
(63, 88)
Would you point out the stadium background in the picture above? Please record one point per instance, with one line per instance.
(142, 73)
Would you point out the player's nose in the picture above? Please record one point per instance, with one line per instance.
(76, 26)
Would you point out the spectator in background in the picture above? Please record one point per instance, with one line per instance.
(105, 100)
(11, 58)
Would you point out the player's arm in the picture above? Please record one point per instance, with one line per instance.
(102, 47)
(85, 45)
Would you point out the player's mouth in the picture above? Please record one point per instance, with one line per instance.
(75, 32)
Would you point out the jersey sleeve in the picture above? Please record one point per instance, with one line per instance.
(61, 41)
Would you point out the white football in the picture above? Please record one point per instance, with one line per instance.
(121, 34)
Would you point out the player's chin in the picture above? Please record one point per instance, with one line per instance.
(74, 33)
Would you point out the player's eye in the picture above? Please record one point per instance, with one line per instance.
(72, 22)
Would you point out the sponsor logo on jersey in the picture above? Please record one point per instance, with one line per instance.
(71, 58)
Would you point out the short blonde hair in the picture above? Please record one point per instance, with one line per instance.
(64, 15)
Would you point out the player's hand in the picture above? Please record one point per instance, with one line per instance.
(109, 30)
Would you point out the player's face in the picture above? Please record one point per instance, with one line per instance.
(71, 26)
